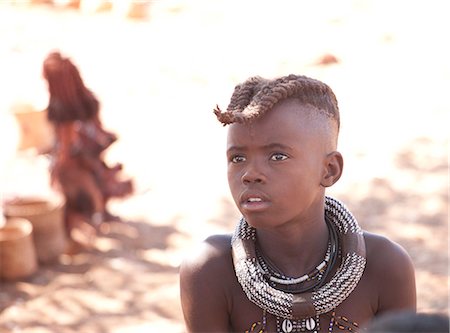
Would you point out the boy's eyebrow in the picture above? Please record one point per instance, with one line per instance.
(235, 148)
(275, 145)
(270, 146)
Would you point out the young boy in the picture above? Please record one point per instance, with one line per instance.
(297, 261)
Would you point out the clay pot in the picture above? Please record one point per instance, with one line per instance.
(47, 219)
(17, 252)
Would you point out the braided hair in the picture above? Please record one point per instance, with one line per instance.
(69, 99)
(257, 95)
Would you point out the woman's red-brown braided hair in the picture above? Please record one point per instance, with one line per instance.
(257, 95)
(69, 100)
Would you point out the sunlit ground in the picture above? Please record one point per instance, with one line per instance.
(158, 80)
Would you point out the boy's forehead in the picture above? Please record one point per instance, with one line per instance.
(285, 118)
(293, 106)
(289, 111)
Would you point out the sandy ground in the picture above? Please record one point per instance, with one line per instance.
(158, 80)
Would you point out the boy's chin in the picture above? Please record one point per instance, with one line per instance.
(257, 222)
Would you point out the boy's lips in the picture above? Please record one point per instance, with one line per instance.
(254, 201)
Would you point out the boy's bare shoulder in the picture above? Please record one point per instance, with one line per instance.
(212, 250)
(209, 259)
(206, 279)
(382, 250)
(390, 273)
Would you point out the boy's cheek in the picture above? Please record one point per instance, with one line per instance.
(234, 179)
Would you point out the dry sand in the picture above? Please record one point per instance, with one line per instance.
(158, 80)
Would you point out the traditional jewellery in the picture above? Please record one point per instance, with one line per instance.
(296, 285)
(279, 281)
(275, 276)
(303, 325)
(308, 304)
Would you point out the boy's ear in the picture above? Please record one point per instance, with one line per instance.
(334, 164)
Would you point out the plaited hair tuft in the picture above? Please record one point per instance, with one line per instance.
(257, 95)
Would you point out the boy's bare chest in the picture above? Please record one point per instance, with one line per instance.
(349, 316)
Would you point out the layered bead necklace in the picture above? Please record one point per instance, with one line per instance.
(278, 280)
(296, 306)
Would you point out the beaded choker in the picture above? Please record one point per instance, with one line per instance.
(307, 304)
(279, 281)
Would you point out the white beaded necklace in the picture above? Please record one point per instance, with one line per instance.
(284, 280)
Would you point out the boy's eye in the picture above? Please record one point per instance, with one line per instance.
(237, 159)
(278, 157)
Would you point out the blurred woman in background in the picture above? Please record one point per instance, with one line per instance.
(78, 168)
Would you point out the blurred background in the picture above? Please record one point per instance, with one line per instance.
(159, 68)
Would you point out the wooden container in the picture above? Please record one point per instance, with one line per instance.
(17, 252)
(48, 225)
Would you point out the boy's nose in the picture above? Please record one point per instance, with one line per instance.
(252, 175)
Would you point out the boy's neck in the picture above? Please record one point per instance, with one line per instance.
(295, 249)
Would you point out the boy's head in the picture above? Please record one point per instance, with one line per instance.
(281, 147)
(256, 96)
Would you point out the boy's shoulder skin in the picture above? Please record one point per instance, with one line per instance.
(390, 272)
(214, 301)
(205, 278)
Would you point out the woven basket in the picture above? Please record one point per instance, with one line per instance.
(48, 225)
(17, 252)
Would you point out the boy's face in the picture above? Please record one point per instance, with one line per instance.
(276, 165)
